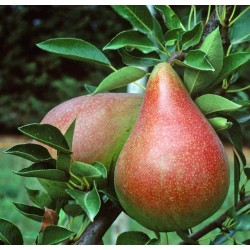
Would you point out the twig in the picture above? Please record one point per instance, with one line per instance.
(217, 223)
(96, 230)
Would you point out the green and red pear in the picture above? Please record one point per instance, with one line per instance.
(172, 172)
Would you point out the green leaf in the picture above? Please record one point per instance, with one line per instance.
(210, 103)
(120, 78)
(171, 20)
(187, 239)
(220, 123)
(132, 238)
(70, 133)
(246, 242)
(220, 239)
(90, 201)
(30, 151)
(75, 49)
(43, 170)
(139, 16)
(101, 168)
(172, 36)
(236, 178)
(192, 37)
(157, 34)
(63, 161)
(40, 198)
(240, 31)
(232, 63)
(139, 61)
(34, 213)
(82, 169)
(196, 59)
(247, 173)
(154, 242)
(46, 134)
(53, 235)
(111, 194)
(196, 80)
(89, 88)
(73, 210)
(10, 234)
(131, 38)
(243, 222)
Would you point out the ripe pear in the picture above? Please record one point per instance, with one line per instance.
(172, 172)
(103, 124)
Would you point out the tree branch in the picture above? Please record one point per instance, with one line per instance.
(218, 222)
(96, 230)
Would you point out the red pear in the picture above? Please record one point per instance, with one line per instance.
(172, 172)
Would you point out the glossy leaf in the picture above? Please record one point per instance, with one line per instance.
(220, 123)
(54, 234)
(101, 168)
(42, 170)
(10, 234)
(120, 78)
(46, 134)
(132, 238)
(30, 151)
(172, 36)
(75, 49)
(139, 16)
(232, 63)
(210, 103)
(139, 61)
(236, 178)
(196, 59)
(196, 80)
(89, 88)
(82, 169)
(69, 134)
(40, 198)
(89, 201)
(63, 161)
(192, 37)
(34, 213)
(243, 222)
(240, 31)
(171, 20)
(133, 39)
(73, 210)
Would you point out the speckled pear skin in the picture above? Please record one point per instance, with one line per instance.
(103, 123)
(172, 172)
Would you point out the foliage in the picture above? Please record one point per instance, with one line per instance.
(211, 68)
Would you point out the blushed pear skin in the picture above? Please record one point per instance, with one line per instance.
(172, 172)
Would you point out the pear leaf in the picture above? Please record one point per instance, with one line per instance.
(89, 88)
(10, 234)
(172, 36)
(120, 78)
(243, 222)
(247, 173)
(133, 39)
(75, 49)
(132, 238)
(220, 239)
(73, 209)
(220, 123)
(30, 151)
(82, 169)
(139, 16)
(196, 80)
(210, 103)
(236, 178)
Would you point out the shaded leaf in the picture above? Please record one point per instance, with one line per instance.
(89, 201)
(42, 170)
(10, 234)
(220, 239)
(232, 63)
(246, 242)
(192, 37)
(247, 173)
(46, 134)
(40, 198)
(140, 61)
(220, 123)
(240, 31)
(157, 34)
(236, 178)
(187, 239)
(82, 169)
(172, 36)
(34, 213)
(120, 78)
(132, 238)
(54, 234)
(139, 16)
(89, 88)
(154, 242)
(196, 80)
(63, 161)
(111, 194)
(171, 20)
(131, 38)
(50, 217)
(73, 210)
(243, 222)
(69, 134)
(75, 49)
(30, 151)
(210, 103)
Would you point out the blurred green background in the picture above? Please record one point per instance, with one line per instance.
(33, 81)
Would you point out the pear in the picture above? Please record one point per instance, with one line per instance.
(172, 172)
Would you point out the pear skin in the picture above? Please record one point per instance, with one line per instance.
(172, 172)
